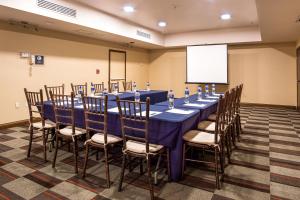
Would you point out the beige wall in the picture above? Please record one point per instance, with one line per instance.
(265, 70)
(65, 62)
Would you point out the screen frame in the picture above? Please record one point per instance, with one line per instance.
(186, 71)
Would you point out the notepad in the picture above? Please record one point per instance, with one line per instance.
(151, 113)
(207, 100)
(194, 105)
(79, 106)
(180, 111)
(213, 97)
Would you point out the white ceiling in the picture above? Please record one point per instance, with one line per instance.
(181, 15)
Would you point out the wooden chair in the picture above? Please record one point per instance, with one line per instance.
(208, 141)
(99, 87)
(55, 90)
(63, 106)
(114, 86)
(127, 86)
(237, 110)
(36, 111)
(135, 122)
(76, 89)
(95, 112)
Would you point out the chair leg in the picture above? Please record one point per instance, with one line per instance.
(141, 166)
(217, 169)
(30, 142)
(129, 164)
(107, 167)
(75, 155)
(168, 164)
(55, 153)
(150, 178)
(45, 145)
(228, 147)
(122, 172)
(86, 160)
(183, 160)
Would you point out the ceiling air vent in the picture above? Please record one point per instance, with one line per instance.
(56, 8)
(143, 34)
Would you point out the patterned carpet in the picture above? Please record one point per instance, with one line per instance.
(265, 165)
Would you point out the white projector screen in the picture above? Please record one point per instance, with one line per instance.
(207, 64)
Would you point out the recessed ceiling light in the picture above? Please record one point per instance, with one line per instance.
(128, 9)
(226, 16)
(162, 24)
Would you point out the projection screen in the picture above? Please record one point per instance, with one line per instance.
(207, 64)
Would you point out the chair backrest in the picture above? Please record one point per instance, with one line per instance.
(219, 125)
(95, 115)
(134, 118)
(127, 86)
(114, 85)
(63, 106)
(239, 97)
(55, 90)
(99, 87)
(76, 89)
(35, 105)
(233, 95)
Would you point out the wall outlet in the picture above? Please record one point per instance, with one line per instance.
(17, 105)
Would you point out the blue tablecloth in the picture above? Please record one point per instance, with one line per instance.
(156, 96)
(207, 105)
(165, 128)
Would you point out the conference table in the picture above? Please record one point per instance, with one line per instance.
(166, 126)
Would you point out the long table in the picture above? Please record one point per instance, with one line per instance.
(166, 127)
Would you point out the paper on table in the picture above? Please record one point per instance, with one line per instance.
(207, 100)
(194, 105)
(115, 109)
(179, 111)
(213, 97)
(116, 94)
(79, 106)
(151, 113)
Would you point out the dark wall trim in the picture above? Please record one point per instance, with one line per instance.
(14, 124)
(269, 105)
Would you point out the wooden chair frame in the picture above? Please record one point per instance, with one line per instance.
(75, 89)
(35, 104)
(127, 86)
(55, 90)
(65, 104)
(99, 87)
(131, 111)
(217, 147)
(114, 85)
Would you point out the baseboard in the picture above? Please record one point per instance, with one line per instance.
(14, 124)
(24, 122)
(269, 105)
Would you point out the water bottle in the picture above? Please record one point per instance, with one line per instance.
(134, 86)
(79, 94)
(199, 91)
(115, 90)
(92, 90)
(104, 92)
(137, 96)
(186, 95)
(148, 86)
(213, 89)
(206, 90)
(171, 99)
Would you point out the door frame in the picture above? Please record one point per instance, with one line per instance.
(110, 51)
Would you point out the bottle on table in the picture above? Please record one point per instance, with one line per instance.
(134, 86)
(148, 86)
(115, 91)
(199, 92)
(171, 99)
(92, 90)
(186, 95)
(213, 89)
(80, 91)
(206, 90)
(137, 96)
(103, 93)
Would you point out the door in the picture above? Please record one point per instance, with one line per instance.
(117, 67)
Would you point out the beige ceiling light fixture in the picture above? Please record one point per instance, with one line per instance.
(128, 9)
(225, 16)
